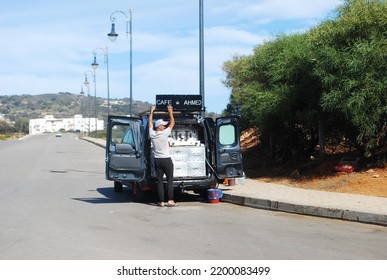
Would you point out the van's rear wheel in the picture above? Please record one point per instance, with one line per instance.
(118, 187)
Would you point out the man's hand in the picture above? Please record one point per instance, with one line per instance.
(171, 118)
(150, 118)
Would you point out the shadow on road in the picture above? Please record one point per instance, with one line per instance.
(110, 196)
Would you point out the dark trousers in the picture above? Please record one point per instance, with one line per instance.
(164, 166)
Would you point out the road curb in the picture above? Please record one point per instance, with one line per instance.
(341, 214)
(93, 141)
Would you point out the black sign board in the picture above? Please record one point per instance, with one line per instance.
(179, 102)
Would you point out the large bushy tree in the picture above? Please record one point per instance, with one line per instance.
(329, 81)
(275, 89)
(351, 56)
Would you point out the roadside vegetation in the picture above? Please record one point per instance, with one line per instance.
(13, 130)
(320, 92)
(11, 136)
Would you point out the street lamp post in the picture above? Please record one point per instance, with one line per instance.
(82, 93)
(201, 53)
(95, 104)
(87, 84)
(113, 36)
(95, 66)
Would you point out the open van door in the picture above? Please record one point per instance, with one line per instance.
(125, 159)
(228, 150)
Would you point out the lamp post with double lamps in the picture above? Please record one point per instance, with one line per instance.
(113, 36)
(95, 66)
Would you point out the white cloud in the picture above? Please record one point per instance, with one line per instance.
(272, 10)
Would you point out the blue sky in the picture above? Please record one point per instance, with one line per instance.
(47, 45)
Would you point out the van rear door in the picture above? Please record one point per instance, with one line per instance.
(125, 159)
(228, 151)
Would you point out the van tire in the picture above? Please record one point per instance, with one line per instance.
(118, 187)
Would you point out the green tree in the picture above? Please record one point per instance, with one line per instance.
(351, 64)
(5, 127)
(329, 81)
(22, 125)
(276, 90)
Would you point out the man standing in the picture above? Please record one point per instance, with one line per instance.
(163, 161)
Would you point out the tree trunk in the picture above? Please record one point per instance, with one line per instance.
(321, 140)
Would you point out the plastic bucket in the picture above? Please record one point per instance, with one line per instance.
(241, 181)
(214, 195)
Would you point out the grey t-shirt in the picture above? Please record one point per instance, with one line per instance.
(160, 142)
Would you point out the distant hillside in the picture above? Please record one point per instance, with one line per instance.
(63, 105)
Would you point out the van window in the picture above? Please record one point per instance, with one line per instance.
(128, 137)
(227, 135)
(122, 134)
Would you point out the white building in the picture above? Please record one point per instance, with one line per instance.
(51, 124)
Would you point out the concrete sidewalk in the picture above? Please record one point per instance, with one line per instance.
(276, 197)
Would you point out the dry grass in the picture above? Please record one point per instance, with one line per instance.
(314, 175)
(372, 182)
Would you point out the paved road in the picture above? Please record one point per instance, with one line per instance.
(56, 204)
